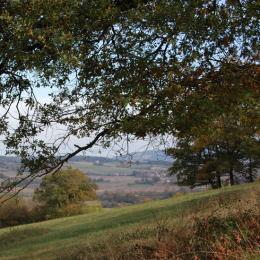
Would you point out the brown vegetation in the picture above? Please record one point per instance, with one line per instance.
(14, 212)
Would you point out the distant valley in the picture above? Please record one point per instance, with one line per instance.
(120, 180)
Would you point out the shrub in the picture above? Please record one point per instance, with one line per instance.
(14, 212)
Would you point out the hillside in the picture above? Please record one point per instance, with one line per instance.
(119, 233)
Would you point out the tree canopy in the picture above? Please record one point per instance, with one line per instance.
(112, 68)
(228, 146)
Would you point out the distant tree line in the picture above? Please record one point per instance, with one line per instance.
(117, 199)
(150, 181)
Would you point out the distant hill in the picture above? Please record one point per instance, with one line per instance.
(8, 165)
(9, 159)
(2, 176)
(92, 159)
(144, 157)
(147, 156)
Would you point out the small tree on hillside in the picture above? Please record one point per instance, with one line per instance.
(64, 193)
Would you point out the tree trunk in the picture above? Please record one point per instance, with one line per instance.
(231, 177)
(219, 180)
(251, 178)
(211, 183)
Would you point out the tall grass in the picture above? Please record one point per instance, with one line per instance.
(226, 226)
(217, 224)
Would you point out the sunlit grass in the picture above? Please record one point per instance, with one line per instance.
(49, 239)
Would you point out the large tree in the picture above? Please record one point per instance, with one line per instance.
(227, 146)
(119, 67)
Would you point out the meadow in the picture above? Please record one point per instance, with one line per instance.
(162, 229)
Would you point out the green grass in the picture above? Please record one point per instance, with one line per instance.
(55, 239)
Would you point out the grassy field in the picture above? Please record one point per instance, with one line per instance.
(103, 235)
(103, 170)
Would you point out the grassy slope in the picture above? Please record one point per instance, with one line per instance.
(50, 239)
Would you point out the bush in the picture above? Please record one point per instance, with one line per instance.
(14, 212)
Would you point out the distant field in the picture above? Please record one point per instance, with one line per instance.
(115, 168)
(118, 177)
(106, 169)
(94, 233)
